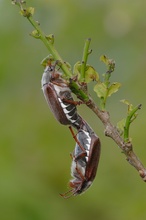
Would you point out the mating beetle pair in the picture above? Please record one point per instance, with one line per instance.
(86, 154)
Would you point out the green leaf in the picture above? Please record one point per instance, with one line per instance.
(44, 62)
(30, 10)
(35, 34)
(27, 12)
(77, 69)
(91, 74)
(125, 101)
(121, 125)
(100, 89)
(104, 59)
(113, 88)
(110, 63)
(50, 38)
(130, 106)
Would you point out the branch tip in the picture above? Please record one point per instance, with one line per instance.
(139, 106)
(143, 175)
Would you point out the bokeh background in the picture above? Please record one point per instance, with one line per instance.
(34, 148)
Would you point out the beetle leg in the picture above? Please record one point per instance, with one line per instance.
(65, 195)
(75, 138)
(73, 102)
(81, 155)
(56, 76)
(73, 191)
(80, 173)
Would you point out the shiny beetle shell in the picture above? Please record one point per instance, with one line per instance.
(84, 164)
(57, 93)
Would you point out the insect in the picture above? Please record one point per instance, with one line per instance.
(59, 98)
(84, 161)
(86, 155)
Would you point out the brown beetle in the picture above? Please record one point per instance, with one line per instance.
(84, 161)
(59, 98)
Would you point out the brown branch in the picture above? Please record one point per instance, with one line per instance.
(112, 132)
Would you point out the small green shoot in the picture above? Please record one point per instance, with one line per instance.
(124, 125)
(104, 88)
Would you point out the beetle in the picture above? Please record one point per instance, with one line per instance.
(59, 98)
(84, 162)
(86, 155)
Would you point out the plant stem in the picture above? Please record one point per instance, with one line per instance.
(128, 122)
(50, 47)
(106, 83)
(112, 132)
(48, 43)
(86, 52)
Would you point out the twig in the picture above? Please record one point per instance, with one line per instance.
(112, 132)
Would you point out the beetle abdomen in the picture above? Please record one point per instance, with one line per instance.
(54, 104)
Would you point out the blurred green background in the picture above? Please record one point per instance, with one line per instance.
(34, 148)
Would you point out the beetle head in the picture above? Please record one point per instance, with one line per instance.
(47, 75)
(78, 187)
